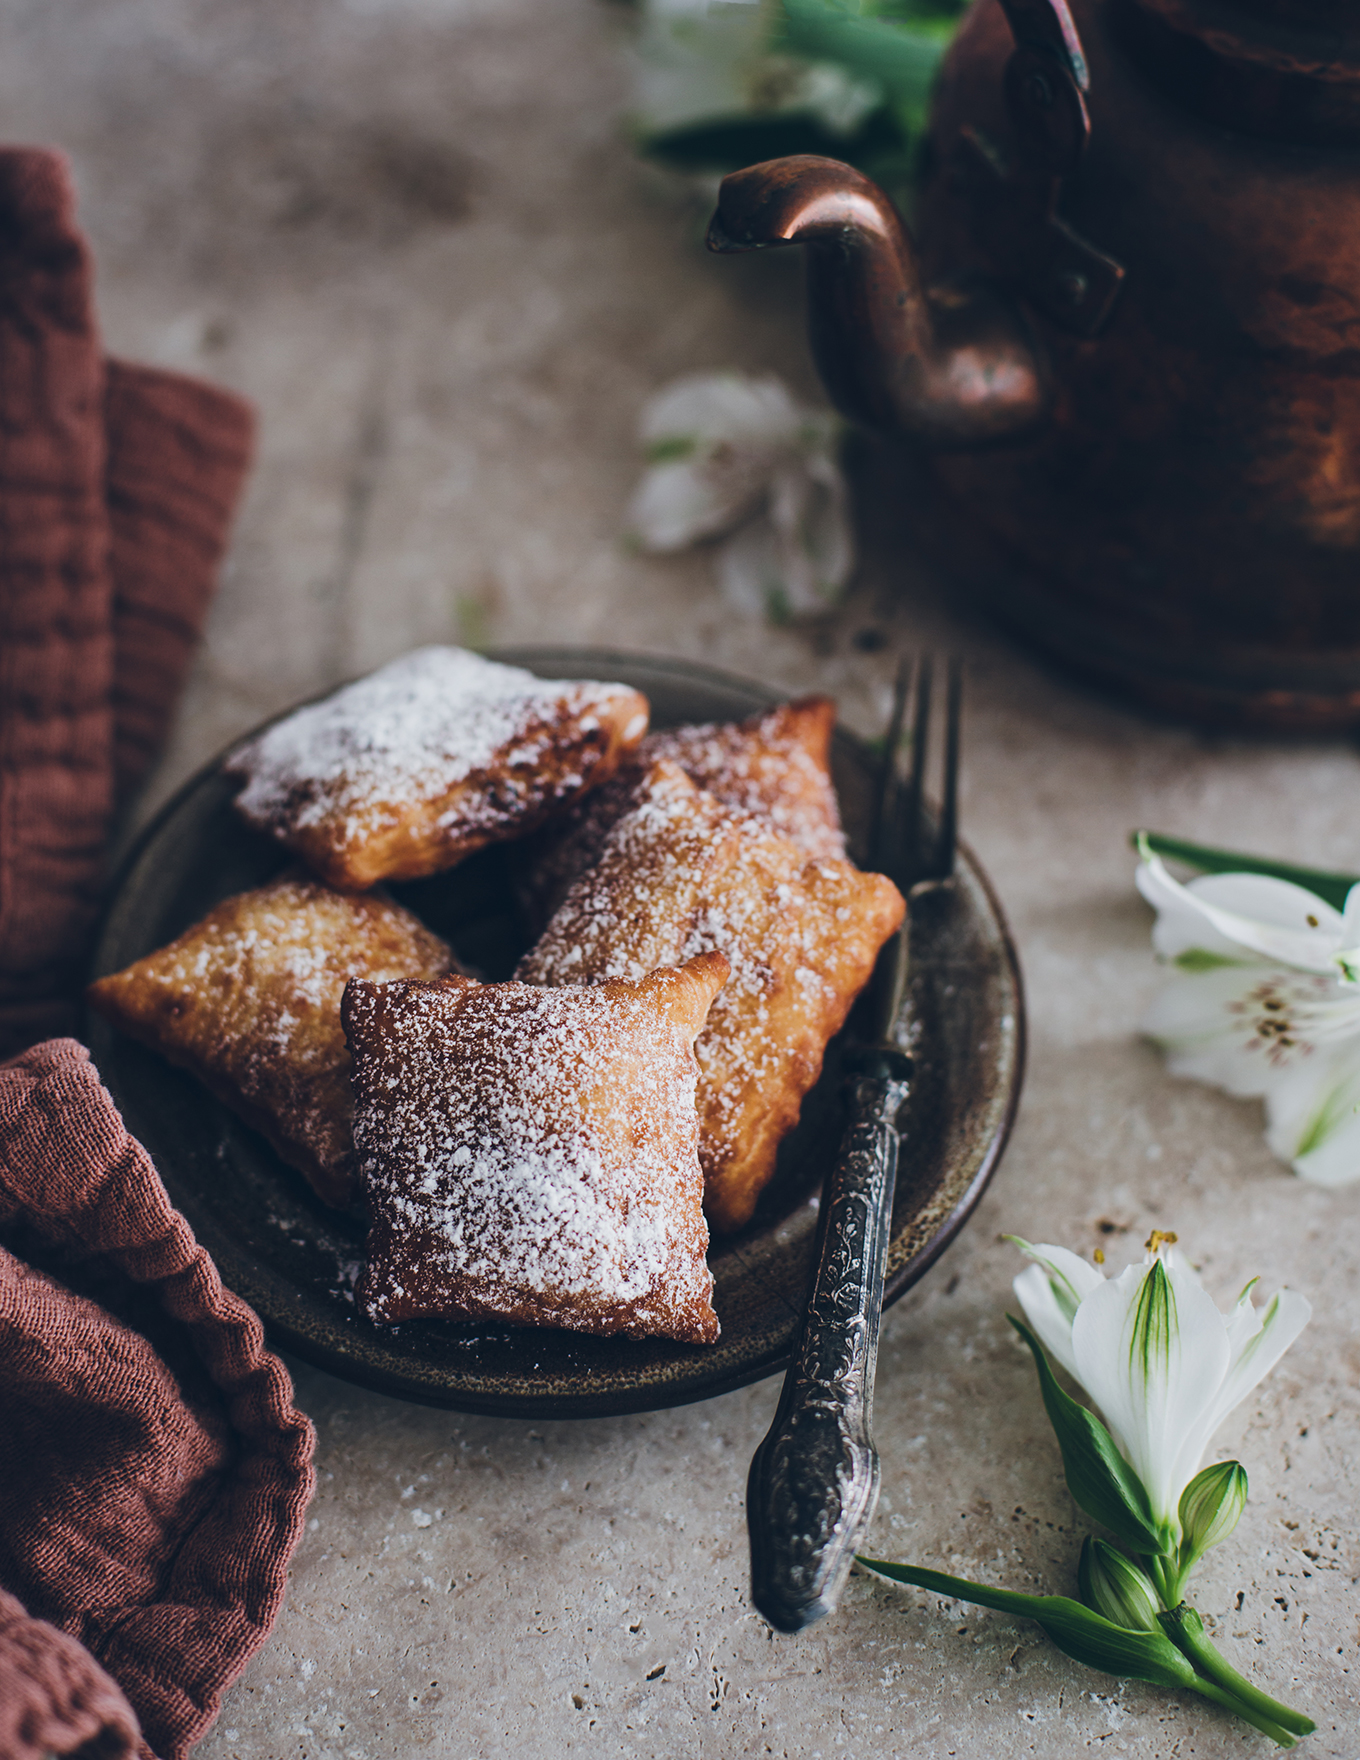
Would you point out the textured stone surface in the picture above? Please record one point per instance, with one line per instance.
(412, 231)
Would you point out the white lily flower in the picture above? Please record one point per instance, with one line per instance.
(738, 457)
(703, 61)
(1265, 1003)
(1154, 1353)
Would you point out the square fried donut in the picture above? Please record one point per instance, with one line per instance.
(249, 1000)
(425, 760)
(680, 874)
(776, 766)
(532, 1155)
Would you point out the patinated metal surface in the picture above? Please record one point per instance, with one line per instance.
(953, 368)
(295, 1260)
(814, 1480)
(1184, 523)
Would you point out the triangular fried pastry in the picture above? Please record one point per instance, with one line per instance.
(532, 1155)
(680, 874)
(776, 766)
(249, 1000)
(428, 759)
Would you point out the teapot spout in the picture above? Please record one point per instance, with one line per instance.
(945, 367)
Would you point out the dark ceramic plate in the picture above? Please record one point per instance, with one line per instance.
(296, 1261)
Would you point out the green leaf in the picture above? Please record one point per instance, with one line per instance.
(1331, 888)
(903, 60)
(1098, 1476)
(1086, 1636)
(723, 143)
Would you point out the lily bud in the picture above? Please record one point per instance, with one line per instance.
(1211, 1507)
(1114, 1586)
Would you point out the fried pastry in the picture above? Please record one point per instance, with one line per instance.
(680, 874)
(531, 1155)
(774, 766)
(249, 1000)
(427, 759)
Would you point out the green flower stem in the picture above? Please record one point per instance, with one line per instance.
(1281, 1737)
(1090, 1638)
(1156, 1569)
(1167, 1576)
(1185, 1628)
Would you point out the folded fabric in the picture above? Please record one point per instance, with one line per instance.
(154, 1473)
(117, 485)
(153, 1470)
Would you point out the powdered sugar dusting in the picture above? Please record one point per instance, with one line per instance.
(531, 1152)
(409, 733)
(771, 768)
(680, 875)
(764, 768)
(249, 998)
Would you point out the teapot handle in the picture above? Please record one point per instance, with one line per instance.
(951, 366)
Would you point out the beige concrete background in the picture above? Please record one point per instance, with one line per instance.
(412, 231)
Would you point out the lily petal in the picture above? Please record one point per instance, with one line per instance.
(1151, 1350)
(1256, 1352)
(1263, 898)
(1350, 921)
(750, 576)
(677, 503)
(1034, 1292)
(1249, 1028)
(1313, 1117)
(732, 409)
(1051, 1292)
(1198, 1022)
(809, 515)
(1181, 926)
(1272, 917)
(1073, 1279)
(1243, 1324)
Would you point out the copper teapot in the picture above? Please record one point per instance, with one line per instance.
(1128, 337)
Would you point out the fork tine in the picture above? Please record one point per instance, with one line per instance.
(914, 837)
(947, 836)
(885, 797)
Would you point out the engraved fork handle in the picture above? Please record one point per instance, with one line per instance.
(814, 1479)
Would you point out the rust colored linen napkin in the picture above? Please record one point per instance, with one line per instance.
(153, 1470)
(154, 1473)
(117, 485)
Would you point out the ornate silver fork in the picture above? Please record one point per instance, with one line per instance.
(814, 1479)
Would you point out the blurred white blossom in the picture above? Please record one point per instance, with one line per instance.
(702, 60)
(738, 459)
(1265, 1003)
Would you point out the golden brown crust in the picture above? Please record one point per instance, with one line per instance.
(428, 759)
(680, 874)
(249, 1001)
(531, 1155)
(776, 766)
